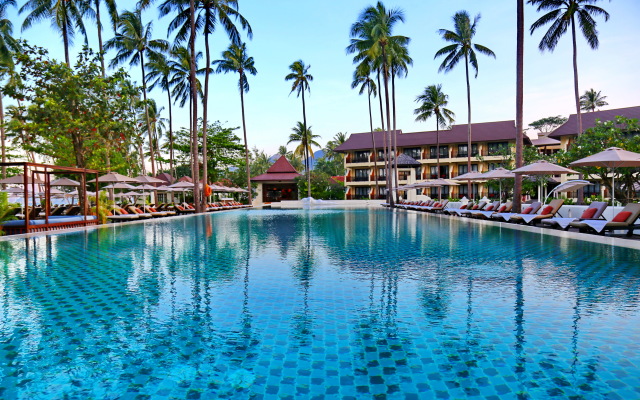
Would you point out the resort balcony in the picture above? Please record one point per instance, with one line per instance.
(456, 154)
(357, 179)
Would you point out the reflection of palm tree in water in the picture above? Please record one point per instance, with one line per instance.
(303, 271)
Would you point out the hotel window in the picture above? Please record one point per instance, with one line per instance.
(444, 152)
(462, 150)
(434, 192)
(382, 174)
(444, 172)
(380, 155)
(362, 192)
(462, 189)
(591, 190)
(361, 156)
(462, 168)
(498, 148)
(361, 175)
(493, 166)
(413, 152)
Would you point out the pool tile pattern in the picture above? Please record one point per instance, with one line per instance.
(317, 305)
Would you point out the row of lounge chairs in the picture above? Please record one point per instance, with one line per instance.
(591, 219)
(134, 212)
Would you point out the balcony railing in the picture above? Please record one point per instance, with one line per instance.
(434, 156)
(360, 159)
(361, 179)
(460, 154)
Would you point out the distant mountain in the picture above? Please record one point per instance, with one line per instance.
(318, 154)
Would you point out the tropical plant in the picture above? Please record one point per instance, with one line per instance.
(301, 77)
(112, 10)
(8, 45)
(209, 14)
(322, 186)
(260, 161)
(306, 139)
(562, 15)
(463, 48)
(235, 59)
(432, 103)
(65, 16)
(6, 210)
(371, 36)
(133, 42)
(591, 100)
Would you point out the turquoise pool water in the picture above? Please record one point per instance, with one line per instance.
(317, 304)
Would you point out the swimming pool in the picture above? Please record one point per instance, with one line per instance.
(317, 304)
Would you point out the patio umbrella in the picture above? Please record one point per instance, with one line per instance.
(148, 179)
(499, 174)
(613, 157)
(543, 167)
(113, 177)
(13, 190)
(19, 180)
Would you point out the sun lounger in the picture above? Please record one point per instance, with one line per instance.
(486, 214)
(478, 207)
(139, 212)
(451, 211)
(491, 208)
(532, 209)
(624, 220)
(593, 212)
(547, 212)
(154, 212)
(437, 207)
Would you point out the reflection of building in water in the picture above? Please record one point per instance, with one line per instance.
(278, 183)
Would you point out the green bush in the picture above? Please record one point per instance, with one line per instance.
(6, 209)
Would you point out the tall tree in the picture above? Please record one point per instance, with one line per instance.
(301, 77)
(370, 38)
(65, 16)
(112, 10)
(235, 59)
(462, 47)
(562, 15)
(433, 103)
(209, 14)
(591, 100)
(517, 186)
(159, 75)
(133, 42)
(8, 45)
(306, 139)
(194, 101)
(362, 78)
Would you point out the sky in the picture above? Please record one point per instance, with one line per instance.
(317, 32)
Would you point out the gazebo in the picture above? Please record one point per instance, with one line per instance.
(278, 183)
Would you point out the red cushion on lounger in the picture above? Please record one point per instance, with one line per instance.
(436, 205)
(489, 208)
(474, 207)
(190, 207)
(527, 210)
(123, 211)
(463, 207)
(180, 208)
(501, 209)
(622, 216)
(588, 213)
(546, 210)
(152, 209)
(137, 210)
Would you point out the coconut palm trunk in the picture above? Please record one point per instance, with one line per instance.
(204, 106)
(306, 151)
(395, 137)
(577, 93)
(194, 102)
(438, 158)
(100, 46)
(517, 189)
(146, 114)
(3, 138)
(65, 41)
(373, 141)
(385, 154)
(466, 66)
(173, 172)
(246, 146)
(385, 77)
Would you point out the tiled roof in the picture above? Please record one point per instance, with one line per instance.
(570, 128)
(480, 132)
(281, 170)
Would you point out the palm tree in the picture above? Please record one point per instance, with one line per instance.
(159, 75)
(517, 186)
(562, 15)
(371, 35)
(133, 42)
(194, 102)
(65, 15)
(180, 65)
(209, 14)
(303, 135)
(433, 103)
(591, 100)
(8, 45)
(301, 77)
(361, 76)
(112, 10)
(462, 47)
(235, 59)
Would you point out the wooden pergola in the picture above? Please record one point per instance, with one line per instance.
(30, 170)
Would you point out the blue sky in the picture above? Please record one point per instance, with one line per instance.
(318, 32)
